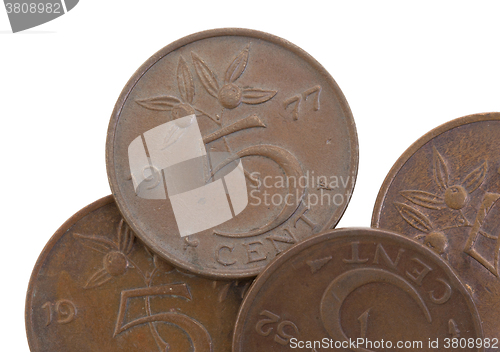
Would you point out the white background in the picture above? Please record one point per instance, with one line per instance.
(404, 69)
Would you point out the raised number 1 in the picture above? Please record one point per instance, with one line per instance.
(363, 320)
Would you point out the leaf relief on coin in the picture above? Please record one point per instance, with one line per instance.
(452, 196)
(229, 94)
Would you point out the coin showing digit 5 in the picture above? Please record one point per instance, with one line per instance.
(96, 288)
(359, 290)
(444, 192)
(229, 146)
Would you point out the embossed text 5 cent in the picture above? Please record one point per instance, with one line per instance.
(444, 192)
(227, 147)
(96, 288)
(356, 290)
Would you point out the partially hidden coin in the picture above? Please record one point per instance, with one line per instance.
(356, 289)
(228, 146)
(443, 192)
(96, 288)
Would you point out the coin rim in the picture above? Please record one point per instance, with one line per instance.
(28, 313)
(341, 233)
(221, 32)
(416, 146)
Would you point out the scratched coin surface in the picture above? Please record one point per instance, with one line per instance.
(443, 192)
(97, 288)
(228, 146)
(350, 284)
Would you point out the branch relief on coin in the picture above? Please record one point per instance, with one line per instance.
(454, 197)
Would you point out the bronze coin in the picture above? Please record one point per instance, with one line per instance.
(443, 192)
(348, 284)
(227, 147)
(96, 288)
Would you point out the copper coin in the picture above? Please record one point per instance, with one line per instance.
(443, 192)
(227, 147)
(327, 292)
(96, 288)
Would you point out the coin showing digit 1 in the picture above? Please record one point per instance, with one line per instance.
(96, 288)
(345, 287)
(444, 192)
(229, 146)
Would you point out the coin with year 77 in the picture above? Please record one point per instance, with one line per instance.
(361, 290)
(96, 288)
(227, 147)
(444, 191)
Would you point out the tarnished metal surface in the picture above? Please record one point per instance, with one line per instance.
(443, 192)
(261, 99)
(355, 283)
(96, 288)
